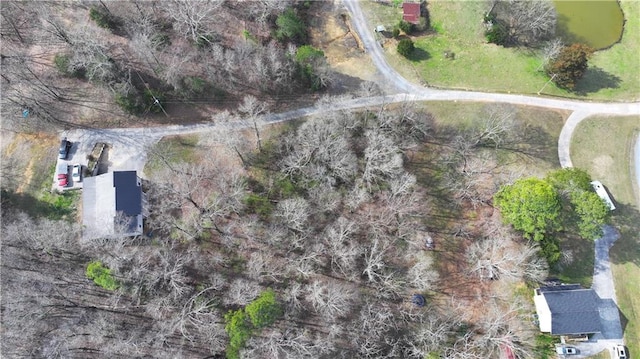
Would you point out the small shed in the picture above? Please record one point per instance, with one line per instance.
(411, 12)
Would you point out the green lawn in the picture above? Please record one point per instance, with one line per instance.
(604, 149)
(171, 149)
(487, 67)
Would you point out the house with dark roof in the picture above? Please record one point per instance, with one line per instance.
(567, 309)
(113, 205)
(411, 12)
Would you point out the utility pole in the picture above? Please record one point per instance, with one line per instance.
(545, 85)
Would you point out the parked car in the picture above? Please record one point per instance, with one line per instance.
(562, 350)
(76, 173)
(65, 146)
(620, 352)
(63, 180)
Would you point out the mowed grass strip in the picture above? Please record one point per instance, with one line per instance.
(457, 27)
(603, 146)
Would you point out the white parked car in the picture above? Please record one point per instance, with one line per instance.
(76, 173)
(566, 350)
(620, 352)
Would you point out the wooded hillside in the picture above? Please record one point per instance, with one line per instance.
(103, 63)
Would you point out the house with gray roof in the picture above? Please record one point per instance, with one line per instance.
(113, 205)
(567, 309)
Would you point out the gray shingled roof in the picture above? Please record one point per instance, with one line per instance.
(128, 193)
(573, 311)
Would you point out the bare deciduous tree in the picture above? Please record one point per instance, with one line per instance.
(331, 300)
(382, 158)
(342, 248)
(321, 152)
(422, 275)
(529, 22)
(498, 256)
(241, 292)
(193, 18)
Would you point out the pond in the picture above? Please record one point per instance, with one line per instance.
(596, 23)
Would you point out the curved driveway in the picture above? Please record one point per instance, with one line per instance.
(581, 109)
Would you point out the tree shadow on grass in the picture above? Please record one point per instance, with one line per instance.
(61, 206)
(418, 55)
(626, 249)
(596, 79)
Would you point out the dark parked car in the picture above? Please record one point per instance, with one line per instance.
(65, 146)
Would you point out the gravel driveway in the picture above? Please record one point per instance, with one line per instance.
(603, 285)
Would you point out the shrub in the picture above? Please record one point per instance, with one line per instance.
(130, 103)
(497, 34)
(239, 331)
(290, 27)
(195, 85)
(61, 62)
(395, 33)
(101, 275)
(240, 324)
(103, 18)
(160, 41)
(258, 204)
(309, 60)
(570, 65)
(405, 47)
(204, 41)
(264, 310)
(406, 27)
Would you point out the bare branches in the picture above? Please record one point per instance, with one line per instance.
(320, 151)
(382, 157)
(331, 300)
(194, 18)
(498, 256)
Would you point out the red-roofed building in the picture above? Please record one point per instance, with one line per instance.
(411, 12)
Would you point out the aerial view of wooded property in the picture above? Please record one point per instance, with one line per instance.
(434, 179)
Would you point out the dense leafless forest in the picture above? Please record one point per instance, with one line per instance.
(364, 234)
(329, 214)
(69, 63)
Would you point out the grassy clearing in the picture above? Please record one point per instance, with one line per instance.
(172, 149)
(603, 146)
(542, 126)
(488, 67)
(28, 169)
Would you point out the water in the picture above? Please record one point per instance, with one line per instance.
(597, 23)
